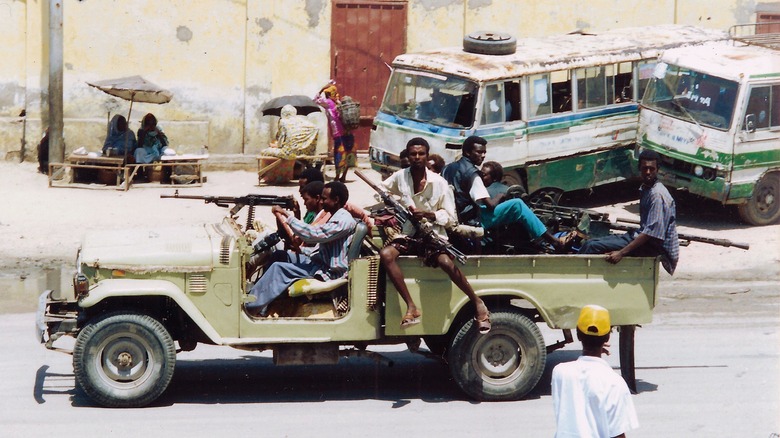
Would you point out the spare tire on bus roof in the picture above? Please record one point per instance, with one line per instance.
(490, 43)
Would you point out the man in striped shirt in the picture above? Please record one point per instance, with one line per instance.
(328, 263)
(657, 233)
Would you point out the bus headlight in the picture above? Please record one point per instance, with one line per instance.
(698, 170)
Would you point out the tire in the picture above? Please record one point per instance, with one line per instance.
(490, 43)
(504, 364)
(141, 341)
(626, 349)
(763, 208)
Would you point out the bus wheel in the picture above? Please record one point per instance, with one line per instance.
(763, 208)
(490, 43)
(504, 364)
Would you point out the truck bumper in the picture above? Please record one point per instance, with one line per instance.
(53, 320)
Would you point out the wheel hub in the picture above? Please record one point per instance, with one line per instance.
(125, 360)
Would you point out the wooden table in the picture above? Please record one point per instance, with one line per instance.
(88, 170)
(175, 169)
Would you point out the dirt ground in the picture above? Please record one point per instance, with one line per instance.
(41, 227)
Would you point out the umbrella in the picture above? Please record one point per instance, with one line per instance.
(134, 89)
(303, 104)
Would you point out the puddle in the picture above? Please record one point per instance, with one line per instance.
(19, 290)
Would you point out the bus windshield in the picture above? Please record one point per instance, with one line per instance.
(691, 95)
(432, 98)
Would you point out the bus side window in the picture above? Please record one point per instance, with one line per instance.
(493, 108)
(539, 93)
(561, 91)
(774, 106)
(758, 106)
(591, 87)
(512, 105)
(622, 82)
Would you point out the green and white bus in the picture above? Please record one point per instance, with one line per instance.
(713, 113)
(560, 113)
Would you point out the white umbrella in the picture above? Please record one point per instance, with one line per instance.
(134, 89)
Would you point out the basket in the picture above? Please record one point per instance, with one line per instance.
(350, 113)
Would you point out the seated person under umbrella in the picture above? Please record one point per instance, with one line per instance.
(151, 141)
(120, 141)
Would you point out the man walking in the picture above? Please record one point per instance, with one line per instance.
(590, 399)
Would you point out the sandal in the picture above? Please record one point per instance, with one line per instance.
(411, 319)
(483, 325)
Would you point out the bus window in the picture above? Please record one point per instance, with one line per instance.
(541, 103)
(622, 83)
(758, 107)
(560, 83)
(512, 97)
(493, 104)
(774, 107)
(645, 70)
(591, 87)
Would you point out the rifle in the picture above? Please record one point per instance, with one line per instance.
(686, 238)
(239, 202)
(403, 215)
(555, 216)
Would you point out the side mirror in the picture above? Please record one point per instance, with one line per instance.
(750, 123)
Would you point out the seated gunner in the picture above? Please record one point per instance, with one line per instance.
(328, 263)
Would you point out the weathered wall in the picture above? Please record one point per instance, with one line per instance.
(223, 59)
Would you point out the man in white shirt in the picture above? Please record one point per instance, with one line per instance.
(590, 399)
(429, 199)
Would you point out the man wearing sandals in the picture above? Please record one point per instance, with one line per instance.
(430, 200)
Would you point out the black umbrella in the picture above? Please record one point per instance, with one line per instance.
(303, 104)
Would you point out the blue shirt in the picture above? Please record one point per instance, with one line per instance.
(658, 219)
(333, 237)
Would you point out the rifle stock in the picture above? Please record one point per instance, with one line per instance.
(404, 215)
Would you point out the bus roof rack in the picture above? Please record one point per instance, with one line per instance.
(765, 34)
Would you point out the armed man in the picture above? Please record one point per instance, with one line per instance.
(430, 200)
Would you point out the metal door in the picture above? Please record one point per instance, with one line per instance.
(365, 38)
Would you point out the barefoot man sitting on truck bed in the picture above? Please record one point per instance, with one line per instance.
(429, 199)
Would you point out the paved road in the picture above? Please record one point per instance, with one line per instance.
(709, 365)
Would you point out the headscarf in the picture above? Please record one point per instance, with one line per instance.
(123, 141)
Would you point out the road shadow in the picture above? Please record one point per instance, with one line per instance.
(254, 379)
(47, 383)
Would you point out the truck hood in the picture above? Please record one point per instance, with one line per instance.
(172, 249)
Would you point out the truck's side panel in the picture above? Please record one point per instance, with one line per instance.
(558, 286)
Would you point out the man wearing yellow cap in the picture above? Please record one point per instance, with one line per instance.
(590, 399)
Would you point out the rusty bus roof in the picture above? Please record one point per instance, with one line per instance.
(535, 55)
(728, 61)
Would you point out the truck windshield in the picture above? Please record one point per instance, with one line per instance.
(431, 98)
(691, 95)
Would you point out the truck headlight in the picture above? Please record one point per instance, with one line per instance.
(80, 285)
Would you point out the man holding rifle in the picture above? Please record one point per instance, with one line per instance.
(657, 233)
(430, 200)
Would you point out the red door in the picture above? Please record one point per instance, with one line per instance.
(365, 38)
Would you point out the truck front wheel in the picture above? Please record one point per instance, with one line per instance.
(763, 208)
(504, 364)
(124, 360)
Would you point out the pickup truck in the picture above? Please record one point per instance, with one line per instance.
(141, 296)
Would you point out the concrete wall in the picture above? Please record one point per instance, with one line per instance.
(223, 59)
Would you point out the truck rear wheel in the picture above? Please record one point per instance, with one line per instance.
(763, 208)
(124, 360)
(504, 364)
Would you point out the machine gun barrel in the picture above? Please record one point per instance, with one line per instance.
(685, 237)
(238, 202)
(404, 215)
